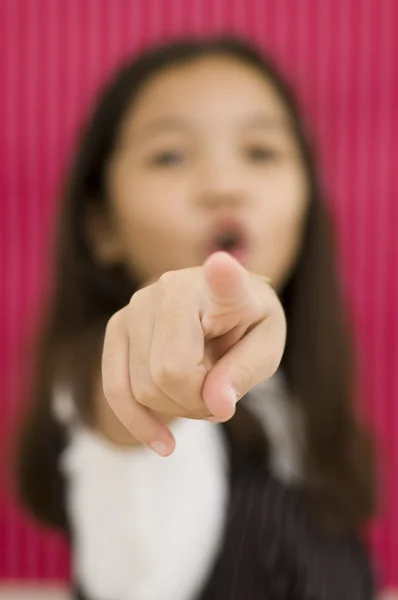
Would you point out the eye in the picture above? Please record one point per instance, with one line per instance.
(167, 158)
(261, 154)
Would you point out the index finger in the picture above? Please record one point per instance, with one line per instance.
(233, 298)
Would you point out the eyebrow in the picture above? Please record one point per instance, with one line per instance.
(172, 124)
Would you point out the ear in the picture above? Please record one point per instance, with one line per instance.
(102, 236)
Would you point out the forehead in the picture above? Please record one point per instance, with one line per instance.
(209, 92)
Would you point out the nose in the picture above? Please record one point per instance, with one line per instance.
(221, 186)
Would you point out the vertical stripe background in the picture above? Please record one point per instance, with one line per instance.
(341, 55)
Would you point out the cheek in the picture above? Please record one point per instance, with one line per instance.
(283, 219)
(150, 202)
(152, 216)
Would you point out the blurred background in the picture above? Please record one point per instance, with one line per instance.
(340, 55)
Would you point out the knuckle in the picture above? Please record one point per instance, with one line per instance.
(137, 299)
(114, 322)
(167, 374)
(144, 392)
(167, 280)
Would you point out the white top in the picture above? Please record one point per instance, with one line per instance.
(150, 528)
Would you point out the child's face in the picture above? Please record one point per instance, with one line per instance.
(206, 160)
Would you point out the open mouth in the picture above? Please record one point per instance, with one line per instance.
(229, 241)
(233, 240)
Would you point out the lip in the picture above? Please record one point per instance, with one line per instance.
(232, 226)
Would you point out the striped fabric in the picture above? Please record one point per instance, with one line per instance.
(273, 550)
(342, 57)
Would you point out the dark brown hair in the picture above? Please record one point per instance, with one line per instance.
(318, 360)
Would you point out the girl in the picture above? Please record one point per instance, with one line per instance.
(194, 182)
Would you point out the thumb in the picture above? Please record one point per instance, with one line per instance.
(228, 285)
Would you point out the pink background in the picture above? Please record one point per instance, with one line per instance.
(340, 54)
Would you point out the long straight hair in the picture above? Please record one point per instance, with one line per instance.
(318, 360)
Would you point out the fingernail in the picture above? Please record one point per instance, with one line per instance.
(160, 448)
(234, 395)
